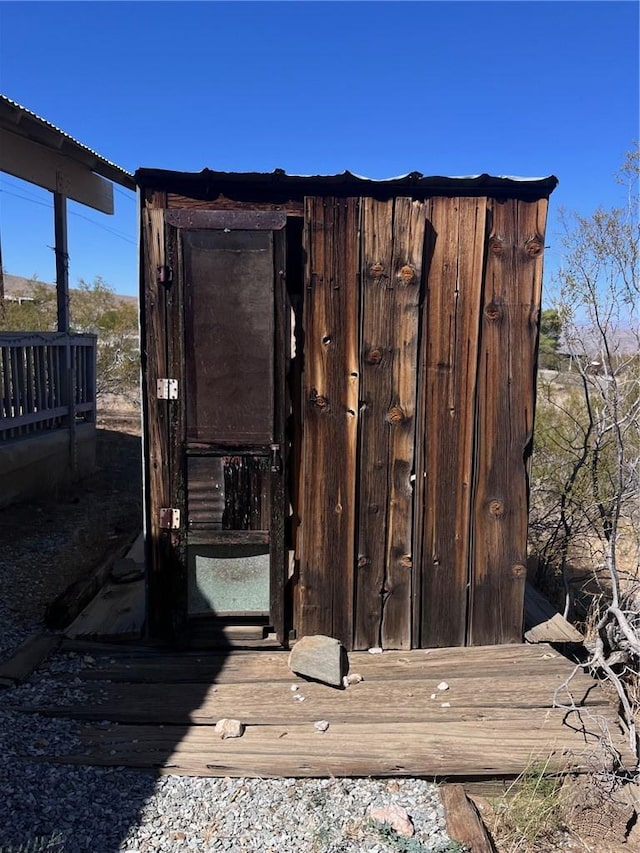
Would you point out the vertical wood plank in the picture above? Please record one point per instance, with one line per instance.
(16, 397)
(295, 291)
(52, 356)
(6, 389)
(41, 379)
(175, 554)
(376, 365)
(313, 598)
(406, 274)
(393, 243)
(450, 352)
(84, 393)
(46, 382)
(279, 474)
(330, 399)
(154, 366)
(506, 386)
(22, 371)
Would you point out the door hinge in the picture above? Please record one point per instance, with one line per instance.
(169, 518)
(164, 275)
(167, 389)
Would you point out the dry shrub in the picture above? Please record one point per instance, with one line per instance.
(527, 817)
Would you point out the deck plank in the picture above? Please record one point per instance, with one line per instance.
(271, 665)
(446, 748)
(274, 704)
(496, 718)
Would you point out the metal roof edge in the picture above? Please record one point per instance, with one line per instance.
(13, 117)
(210, 181)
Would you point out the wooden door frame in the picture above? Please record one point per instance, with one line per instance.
(175, 222)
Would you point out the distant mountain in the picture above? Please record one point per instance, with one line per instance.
(16, 286)
(623, 342)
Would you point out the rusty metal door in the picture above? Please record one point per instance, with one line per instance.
(232, 351)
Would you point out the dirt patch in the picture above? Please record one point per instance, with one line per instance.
(49, 543)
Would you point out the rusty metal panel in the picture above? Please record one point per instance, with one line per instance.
(229, 331)
(228, 492)
(248, 220)
(205, 491)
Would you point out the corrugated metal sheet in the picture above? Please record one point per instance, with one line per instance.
(23, 122)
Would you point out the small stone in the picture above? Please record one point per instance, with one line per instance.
(229, 728)
(446, 705)
(395, 816)
(443, 685)
(434, 695)
(293, 688)
(376, 650)
(352, 678)
(319, 657)
(299, 697)
(321, 725)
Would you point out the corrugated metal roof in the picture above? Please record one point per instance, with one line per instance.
(23, 122)
(209, 183)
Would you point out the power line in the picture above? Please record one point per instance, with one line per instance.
(20, 185)
(113, 231)
(128, 195)
(26, 198)
(104, 227)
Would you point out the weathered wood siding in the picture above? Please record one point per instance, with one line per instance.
(505, 407)
(156, 416)
(413, 503)
(413, 392)
(330, 401)
(392, 250)
(450, 326)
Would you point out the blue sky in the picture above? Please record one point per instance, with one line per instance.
(383, 88)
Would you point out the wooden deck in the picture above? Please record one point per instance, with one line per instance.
(496, 719)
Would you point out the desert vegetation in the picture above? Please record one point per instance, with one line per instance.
(584, 520)
(94, 308)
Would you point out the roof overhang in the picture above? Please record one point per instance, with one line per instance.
(33, 149)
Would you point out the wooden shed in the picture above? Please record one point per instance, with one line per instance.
(339, 388)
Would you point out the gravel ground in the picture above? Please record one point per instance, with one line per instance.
(67, 809)
(84, 810)
(49, 543)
